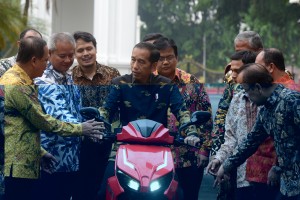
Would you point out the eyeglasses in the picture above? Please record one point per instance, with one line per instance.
(168, 58)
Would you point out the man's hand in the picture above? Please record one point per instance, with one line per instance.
(274, 176)
(191, 140)
(221, 176)
(48, 163)
(213, 167)
(202, 161)
(93, 129)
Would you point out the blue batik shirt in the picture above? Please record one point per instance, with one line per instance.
(60, 98)
(279, 118)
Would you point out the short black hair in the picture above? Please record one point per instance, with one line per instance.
(85, 36)
(154, 53)
(245, 56)
(152, 36)
(23, 33)
(30, 47)
(164, 43)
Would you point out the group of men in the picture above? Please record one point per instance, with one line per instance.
(43, 96)
(252, 107)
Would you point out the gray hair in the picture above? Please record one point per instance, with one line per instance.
(253, 38)
(60, 37)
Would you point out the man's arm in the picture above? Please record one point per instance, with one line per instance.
(247, 147)
(24, 100)
(204, 131)
(111, 103)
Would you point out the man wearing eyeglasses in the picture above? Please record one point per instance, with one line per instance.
(189, 162)
(279, 117)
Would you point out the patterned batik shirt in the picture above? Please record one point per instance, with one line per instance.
(218, 131)
(1, 140)
(94, 91)
(60, 98)
(7, 63)
(239, 121)
(24, 118)
(196, 99)
(141, 101)
(279, 118)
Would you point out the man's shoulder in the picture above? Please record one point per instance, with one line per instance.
(127, 78)
(110, 70)
(159, 79)
(186, 77)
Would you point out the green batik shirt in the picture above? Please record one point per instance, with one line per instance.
(24, 118)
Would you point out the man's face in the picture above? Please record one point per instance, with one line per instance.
(242, 45)
(40, 64)
(254, 91)
(141, 67)
(167, 63)
(85, 53)
(235, 65)
(62, 57)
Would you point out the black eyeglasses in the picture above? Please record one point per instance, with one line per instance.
(168, 58)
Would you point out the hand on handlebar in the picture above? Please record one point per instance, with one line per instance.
(93, 129)
(192, 140)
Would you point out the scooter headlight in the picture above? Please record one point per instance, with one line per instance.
(155, 185)
(127, 181)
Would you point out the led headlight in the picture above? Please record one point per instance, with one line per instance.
(155, 185)
(127, 181)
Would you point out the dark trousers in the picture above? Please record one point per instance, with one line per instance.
(189, 179)
(283, 197)
(58, 186)
(227, 188)
(257, 191)
(93, 161)
(20, 188)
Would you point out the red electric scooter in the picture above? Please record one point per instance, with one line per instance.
(144, 167)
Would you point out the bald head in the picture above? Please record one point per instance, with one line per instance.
(30, 47)
(254, 73)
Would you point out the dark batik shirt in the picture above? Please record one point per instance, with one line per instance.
(151, 101)
(279, 118)
(94, 91)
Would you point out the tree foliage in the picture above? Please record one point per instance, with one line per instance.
(219, 21)
(11, 22)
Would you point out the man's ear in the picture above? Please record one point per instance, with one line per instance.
(153, 66)
(271, 67)
(258, 87)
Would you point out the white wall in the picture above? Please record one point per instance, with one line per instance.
(112, 22)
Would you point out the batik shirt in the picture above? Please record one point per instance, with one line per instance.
(279, 118)
(1, 139)
(24, 118)
(94, 91)
(239, 121)
(195, 98)
(6, 64)
(145, 101)
(219, 122)
(60, 98)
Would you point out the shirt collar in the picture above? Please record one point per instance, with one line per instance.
(26, 80)
(274, 96)
(99, 70)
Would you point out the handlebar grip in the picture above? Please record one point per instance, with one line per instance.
(180, 141)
